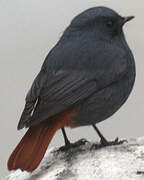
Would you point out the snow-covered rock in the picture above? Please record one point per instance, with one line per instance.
(122, 162)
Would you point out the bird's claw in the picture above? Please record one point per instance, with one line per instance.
(112, 143)
(73, 145)
(104, 143)
(140, 172)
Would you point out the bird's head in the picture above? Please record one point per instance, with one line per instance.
(101, 20)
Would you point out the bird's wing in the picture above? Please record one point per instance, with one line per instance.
(52, 94)
(68, 76)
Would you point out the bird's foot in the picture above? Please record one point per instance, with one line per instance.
(104, 143)
(73, 145)
(140, 172)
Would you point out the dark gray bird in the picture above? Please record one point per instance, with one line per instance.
(84, 80)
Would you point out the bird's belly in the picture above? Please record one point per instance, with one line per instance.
(104, 103)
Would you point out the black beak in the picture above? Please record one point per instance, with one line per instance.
(126, 19)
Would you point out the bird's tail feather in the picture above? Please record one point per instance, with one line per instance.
(31, 149)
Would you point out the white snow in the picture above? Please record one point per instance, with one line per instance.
(109, 163)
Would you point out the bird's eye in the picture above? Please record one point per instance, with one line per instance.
(110, 24)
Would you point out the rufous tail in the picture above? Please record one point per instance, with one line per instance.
(31, 149)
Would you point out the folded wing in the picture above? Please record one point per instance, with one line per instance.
(52, 94)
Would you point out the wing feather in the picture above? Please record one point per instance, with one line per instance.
(59, 92)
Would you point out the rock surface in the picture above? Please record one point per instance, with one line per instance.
(122, 162)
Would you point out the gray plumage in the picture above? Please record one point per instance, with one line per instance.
(91, 67)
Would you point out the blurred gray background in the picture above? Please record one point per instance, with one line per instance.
(28, 30)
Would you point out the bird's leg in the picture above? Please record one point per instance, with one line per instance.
(67, 142)
(104, 141)
(69, 145)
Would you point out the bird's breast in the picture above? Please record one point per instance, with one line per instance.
(107, 101)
